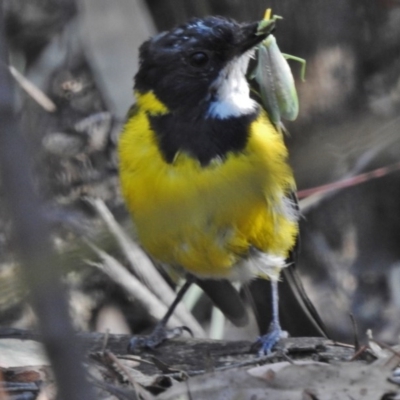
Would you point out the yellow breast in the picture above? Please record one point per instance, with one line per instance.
(205, 219)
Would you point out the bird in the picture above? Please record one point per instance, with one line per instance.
(205, 173)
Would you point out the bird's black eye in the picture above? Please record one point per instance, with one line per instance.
(199, 59)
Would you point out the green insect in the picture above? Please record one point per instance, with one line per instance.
(274, 77)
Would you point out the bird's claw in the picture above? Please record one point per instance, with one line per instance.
(266, 342)
(158, 336)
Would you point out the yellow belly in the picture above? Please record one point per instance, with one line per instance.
(205, 219)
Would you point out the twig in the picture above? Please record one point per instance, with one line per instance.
(348, 182)
(112, 362)
(135, 358)
(355, 333)
(130, 283)
(316, 195)
(395, 354)
(115, 360)
(33, 91)
(359, 352)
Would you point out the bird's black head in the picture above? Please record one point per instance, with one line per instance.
(200, 66)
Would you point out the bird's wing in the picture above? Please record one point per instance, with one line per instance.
(298, 315)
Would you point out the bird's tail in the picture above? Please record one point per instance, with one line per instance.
(298, 315)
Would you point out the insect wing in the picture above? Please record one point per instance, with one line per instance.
(265, 79)
(278, 91)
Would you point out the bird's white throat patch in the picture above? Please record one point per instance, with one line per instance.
(232, 92)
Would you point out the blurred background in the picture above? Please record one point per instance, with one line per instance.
(83, 56)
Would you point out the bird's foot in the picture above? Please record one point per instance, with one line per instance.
(159, 335)
(266, 342)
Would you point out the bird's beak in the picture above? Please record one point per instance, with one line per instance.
(251, 34)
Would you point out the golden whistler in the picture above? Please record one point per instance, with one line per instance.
(203, 170)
